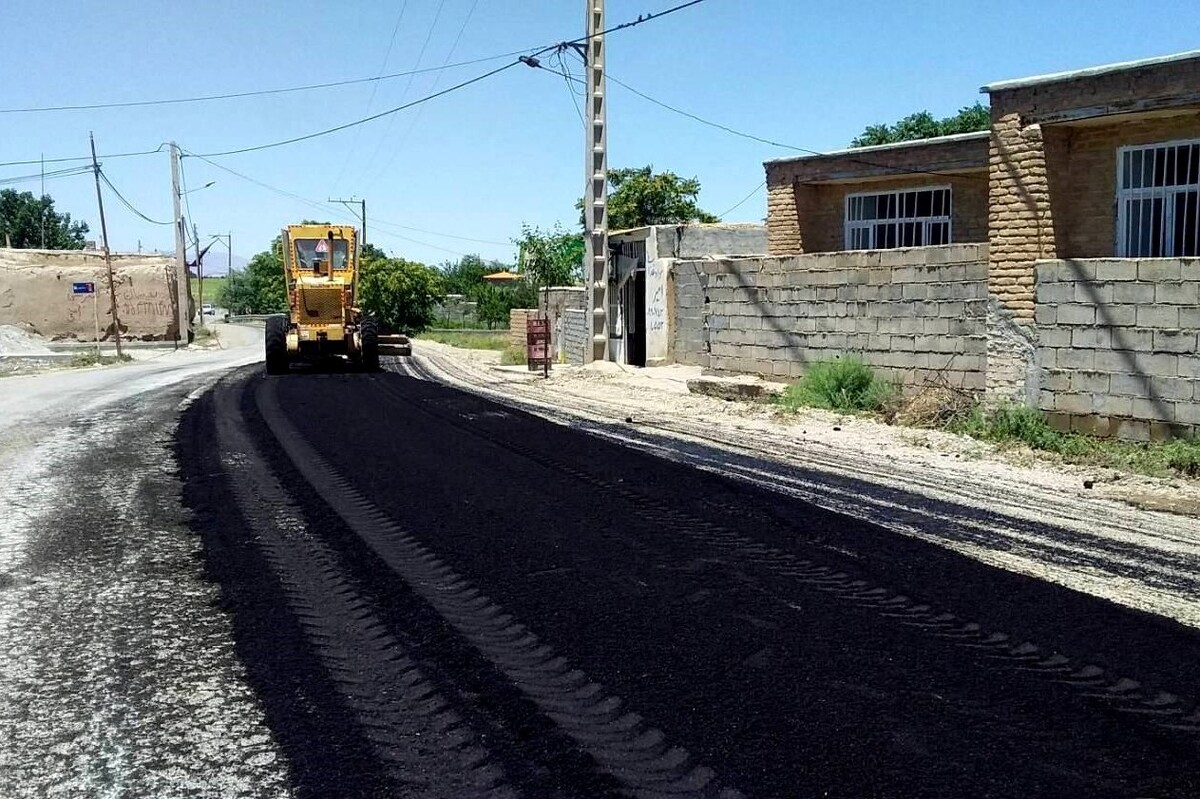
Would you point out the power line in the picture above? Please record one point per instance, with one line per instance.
(408, 131)
(126, 203)
(325, 208)
(364, 120)
(374, 90)
(745, 200)
(641, 20)
(752, 137)
(60, 173)
(82, 158)
(261, 92)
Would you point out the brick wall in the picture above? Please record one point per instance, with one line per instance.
(806, 196)
(517, 328)
(910, 313)
(1051, 173)
(1118, 345)
(1086, 203)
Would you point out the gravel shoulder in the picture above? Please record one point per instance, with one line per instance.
(117, 670)
(1014, 509)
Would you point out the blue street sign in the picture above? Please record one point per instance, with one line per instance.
(83, 288)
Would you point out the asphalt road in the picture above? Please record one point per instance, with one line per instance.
(429, 594)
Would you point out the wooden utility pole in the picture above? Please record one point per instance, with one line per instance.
(362, 207)
(112, 283)
(199, 271)
(595, 212)
(181, 274)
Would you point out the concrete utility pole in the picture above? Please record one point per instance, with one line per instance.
(362, 204)
(595, 211)
(181, 280)
(199, 272)
(112, 283)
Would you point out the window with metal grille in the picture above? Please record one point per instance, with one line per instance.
(1158, 200)
(910, 218)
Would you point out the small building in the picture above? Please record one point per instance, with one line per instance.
(640, 296)
(911, 194)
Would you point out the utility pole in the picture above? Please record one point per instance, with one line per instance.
(362, 204)
(181, 275)
(595, 212)
(112, 283)
(199, 271)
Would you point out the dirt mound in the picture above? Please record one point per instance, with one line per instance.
(16, 341)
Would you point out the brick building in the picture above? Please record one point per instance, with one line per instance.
(1075, 220)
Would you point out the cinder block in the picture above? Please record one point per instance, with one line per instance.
(1090, 382)
(1137, 293)
(1189, 318)
(1177, 293)
(1159, 410)
(1116, 315)
(1158, 270)
(1133, 430)
(1093, 425)
(1074, 314)
(1059, 421)
(1188, 366)
(1174, 341)
(1045, 314)
(1056, 380)
(1073, 403)
(1055, 337)
(1133, 339)
(1091, 337)
(1160, 316)
(1111, 405)
(1188, 412)
(1093, 292)
(1129, 385)
(1116, 269)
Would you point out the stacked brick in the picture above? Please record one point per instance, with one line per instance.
(1118, 346)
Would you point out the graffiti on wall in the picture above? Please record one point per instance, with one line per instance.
(656, 303)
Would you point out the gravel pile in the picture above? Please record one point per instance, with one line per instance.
(15, 341)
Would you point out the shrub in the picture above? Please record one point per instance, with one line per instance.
(513, 356)
(845, 384)
(1183, 456)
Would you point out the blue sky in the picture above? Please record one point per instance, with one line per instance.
(480, 162)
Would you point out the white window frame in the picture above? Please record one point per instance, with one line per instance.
(869, 224)
(1165, 193)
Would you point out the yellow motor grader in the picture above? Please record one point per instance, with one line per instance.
(321, 265)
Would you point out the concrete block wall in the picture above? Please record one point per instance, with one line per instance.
(1117, 346)
(910, 313)
(575, 335)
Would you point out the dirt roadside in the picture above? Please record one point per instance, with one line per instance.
(1034, 515)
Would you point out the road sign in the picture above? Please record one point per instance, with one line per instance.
(83, 288)
(322, 246)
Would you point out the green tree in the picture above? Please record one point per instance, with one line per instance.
(402, 295)
(923, 125)
(260, 288)
(550, 257)
(639, 197)
(465, 276)
(23, 218)
(493, 303)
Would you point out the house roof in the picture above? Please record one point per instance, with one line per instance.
(1056, 77)
(902, 145)
(501, 277)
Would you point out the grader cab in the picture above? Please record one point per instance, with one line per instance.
(320, 264)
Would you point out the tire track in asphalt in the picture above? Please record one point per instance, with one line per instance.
(1160, 566)
(620, 741)
(417, 736)
(1164, 709)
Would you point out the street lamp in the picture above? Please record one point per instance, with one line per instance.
(198, 188)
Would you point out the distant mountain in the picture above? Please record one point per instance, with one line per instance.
(216, 263)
